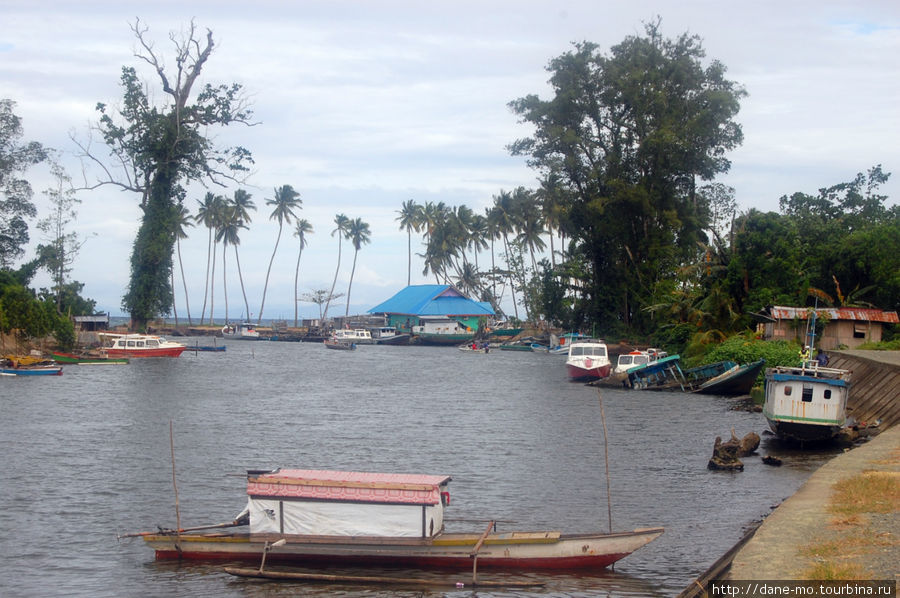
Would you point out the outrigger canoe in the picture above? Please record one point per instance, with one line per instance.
(317, 517)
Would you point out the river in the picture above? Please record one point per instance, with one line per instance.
(87, 457)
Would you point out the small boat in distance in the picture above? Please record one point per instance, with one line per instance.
(339, 345)
(588, 360)
(360, 336)
(245, 331)
(139, 345)
(310, 517)
(27, 365)
(388, 335)
(87, 359)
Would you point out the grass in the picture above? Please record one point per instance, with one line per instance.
(837, 556)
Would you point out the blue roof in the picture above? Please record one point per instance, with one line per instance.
(431, 300)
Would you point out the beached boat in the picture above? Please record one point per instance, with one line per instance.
(559, 345)
(87, 358)
(735, 381)
(332, 517)
(139, 345)
(807, 403)
(663, 374)
(360, 336)
(27, 365)
(630, 360)
(339, 345)
(245, 331)
(588, 360)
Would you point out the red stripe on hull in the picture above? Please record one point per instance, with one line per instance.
(561, 563)
(577, 373)
(146, 352)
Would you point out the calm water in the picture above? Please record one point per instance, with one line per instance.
(87, 456)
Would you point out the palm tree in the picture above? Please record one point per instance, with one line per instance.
(302, 228)
(229, 235)
(504, 215)
(359, 234)
(531, 227)
(184, 220)
(342, 224)
(205, 215)
(286, 200)
(241, 206)
(411, 219)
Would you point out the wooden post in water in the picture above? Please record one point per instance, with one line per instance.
(175, 486)
(606, 459)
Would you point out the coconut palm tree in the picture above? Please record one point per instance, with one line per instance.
(505, 218)
(358, 233)
(241, 205)
(531, 226)
(301, 229)
(284, 203)
(229, 234)
(341, 226)
(411, 219)
(205, 215)
(184, 220)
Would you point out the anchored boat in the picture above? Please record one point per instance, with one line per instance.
(139, 345)
(588, 360)
(315, 516)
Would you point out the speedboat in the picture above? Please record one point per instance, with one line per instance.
(588, 360)
(631, 359)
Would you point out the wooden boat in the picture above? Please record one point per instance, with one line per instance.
(475, 348)
(27, 365)
(662, 374)
(359, 336)
(335, 517)
(588, 360)
(87, 359)
(806, 403)
(339, 345)
(736, 381)
(139, 345)
(244, 331)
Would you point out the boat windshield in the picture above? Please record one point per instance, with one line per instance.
(589, 350)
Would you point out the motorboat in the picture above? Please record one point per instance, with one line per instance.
(588, 359)
(139, 345)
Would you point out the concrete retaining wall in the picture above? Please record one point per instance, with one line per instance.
(875, 391)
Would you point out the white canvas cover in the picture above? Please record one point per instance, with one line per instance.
(274, 515)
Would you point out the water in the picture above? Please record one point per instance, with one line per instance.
(87, 456)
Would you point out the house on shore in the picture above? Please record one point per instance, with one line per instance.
(433, 308)
(841, 327)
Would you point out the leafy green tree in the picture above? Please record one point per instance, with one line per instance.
(15, 192)
(284, 203)
(359, 234)
(631, 133)
(301, 229)
(154, 149)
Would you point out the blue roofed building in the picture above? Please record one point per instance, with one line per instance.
(433, 305)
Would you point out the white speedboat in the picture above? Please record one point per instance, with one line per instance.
(588, 360)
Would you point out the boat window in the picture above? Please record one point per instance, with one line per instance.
(130, 343)
(140, 343)
(625, 360)
(641, 359)
(152, 344)
(807, 394)
(120, 343)
(827, 393)
(577, 350)
(787, 391)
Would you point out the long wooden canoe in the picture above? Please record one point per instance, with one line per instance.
(512, 550)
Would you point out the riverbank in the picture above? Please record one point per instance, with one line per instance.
(823, 531)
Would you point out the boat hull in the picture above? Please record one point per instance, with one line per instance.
(32, 371)
(807, 403)
(740, 381)
(515, 550)
(578, 373)
(60, 357)
(161, 352)
(425, 338)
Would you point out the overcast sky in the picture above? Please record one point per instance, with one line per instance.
(363, 105)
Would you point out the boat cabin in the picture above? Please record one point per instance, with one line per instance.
(134, 342)
(587, 347)
(628, 360)
(343, 503)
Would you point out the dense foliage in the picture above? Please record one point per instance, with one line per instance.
(26, 316)
(159, 149)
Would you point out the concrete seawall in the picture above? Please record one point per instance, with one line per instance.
(875, 394)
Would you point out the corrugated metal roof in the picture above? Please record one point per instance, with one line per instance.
(431, 300)
(836, 313)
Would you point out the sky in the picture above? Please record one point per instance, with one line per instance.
(362, 105)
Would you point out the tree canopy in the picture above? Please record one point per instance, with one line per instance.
(154, 150)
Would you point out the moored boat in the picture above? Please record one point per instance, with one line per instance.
(244, 331)
(139, 345)
(807, 403)
(360, 336)
(388, 335)
(331, 517)
(17, 365)
(588, 360)
(630, 360)
(87, 359)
